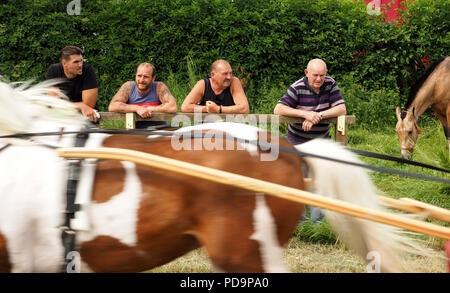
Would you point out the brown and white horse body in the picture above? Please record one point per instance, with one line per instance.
(139, 217)
(435, 93)
(142, 217)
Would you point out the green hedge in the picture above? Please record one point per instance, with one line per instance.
(267, 42)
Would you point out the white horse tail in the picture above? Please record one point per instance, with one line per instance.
(382, 244)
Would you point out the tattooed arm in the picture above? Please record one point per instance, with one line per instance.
(119, 101)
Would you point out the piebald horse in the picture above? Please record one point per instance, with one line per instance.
(138, 217)
(432, 89)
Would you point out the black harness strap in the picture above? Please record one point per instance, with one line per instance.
(68, 234)
(268, 146)
(4, 147)
(398, 160)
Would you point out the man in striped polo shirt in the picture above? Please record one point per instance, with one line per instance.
(314, 97)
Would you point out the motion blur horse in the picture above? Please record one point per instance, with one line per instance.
(432, 89)
(141, 217)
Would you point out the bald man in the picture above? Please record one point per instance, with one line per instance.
(144, 96)
(314, 97)
(221, 93)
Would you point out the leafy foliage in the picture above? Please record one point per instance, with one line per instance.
(268, 43)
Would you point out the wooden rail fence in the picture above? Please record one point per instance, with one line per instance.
(341, 123)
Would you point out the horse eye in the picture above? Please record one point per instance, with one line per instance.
(410, 132)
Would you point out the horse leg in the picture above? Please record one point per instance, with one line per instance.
(447, 128)
(444, 117)
(19, 247)
(35, 247)
(5, 265)
(243, 240)
(48, 252)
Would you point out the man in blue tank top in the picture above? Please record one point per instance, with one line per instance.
(144, 96)
(221, 93)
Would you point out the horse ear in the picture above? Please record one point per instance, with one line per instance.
(414, 114)
(399, 113)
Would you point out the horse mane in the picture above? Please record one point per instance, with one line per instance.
(23, 104)
(415, 88)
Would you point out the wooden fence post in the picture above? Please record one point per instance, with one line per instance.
(341, 130)
(130, 121)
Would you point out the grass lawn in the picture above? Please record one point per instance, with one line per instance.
(306, 257)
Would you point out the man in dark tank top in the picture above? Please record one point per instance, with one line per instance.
(221, 93)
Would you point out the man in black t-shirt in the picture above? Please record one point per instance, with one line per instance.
(79, 82)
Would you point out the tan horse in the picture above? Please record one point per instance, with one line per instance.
(432, 89)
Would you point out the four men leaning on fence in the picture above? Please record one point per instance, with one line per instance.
(314, 97)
